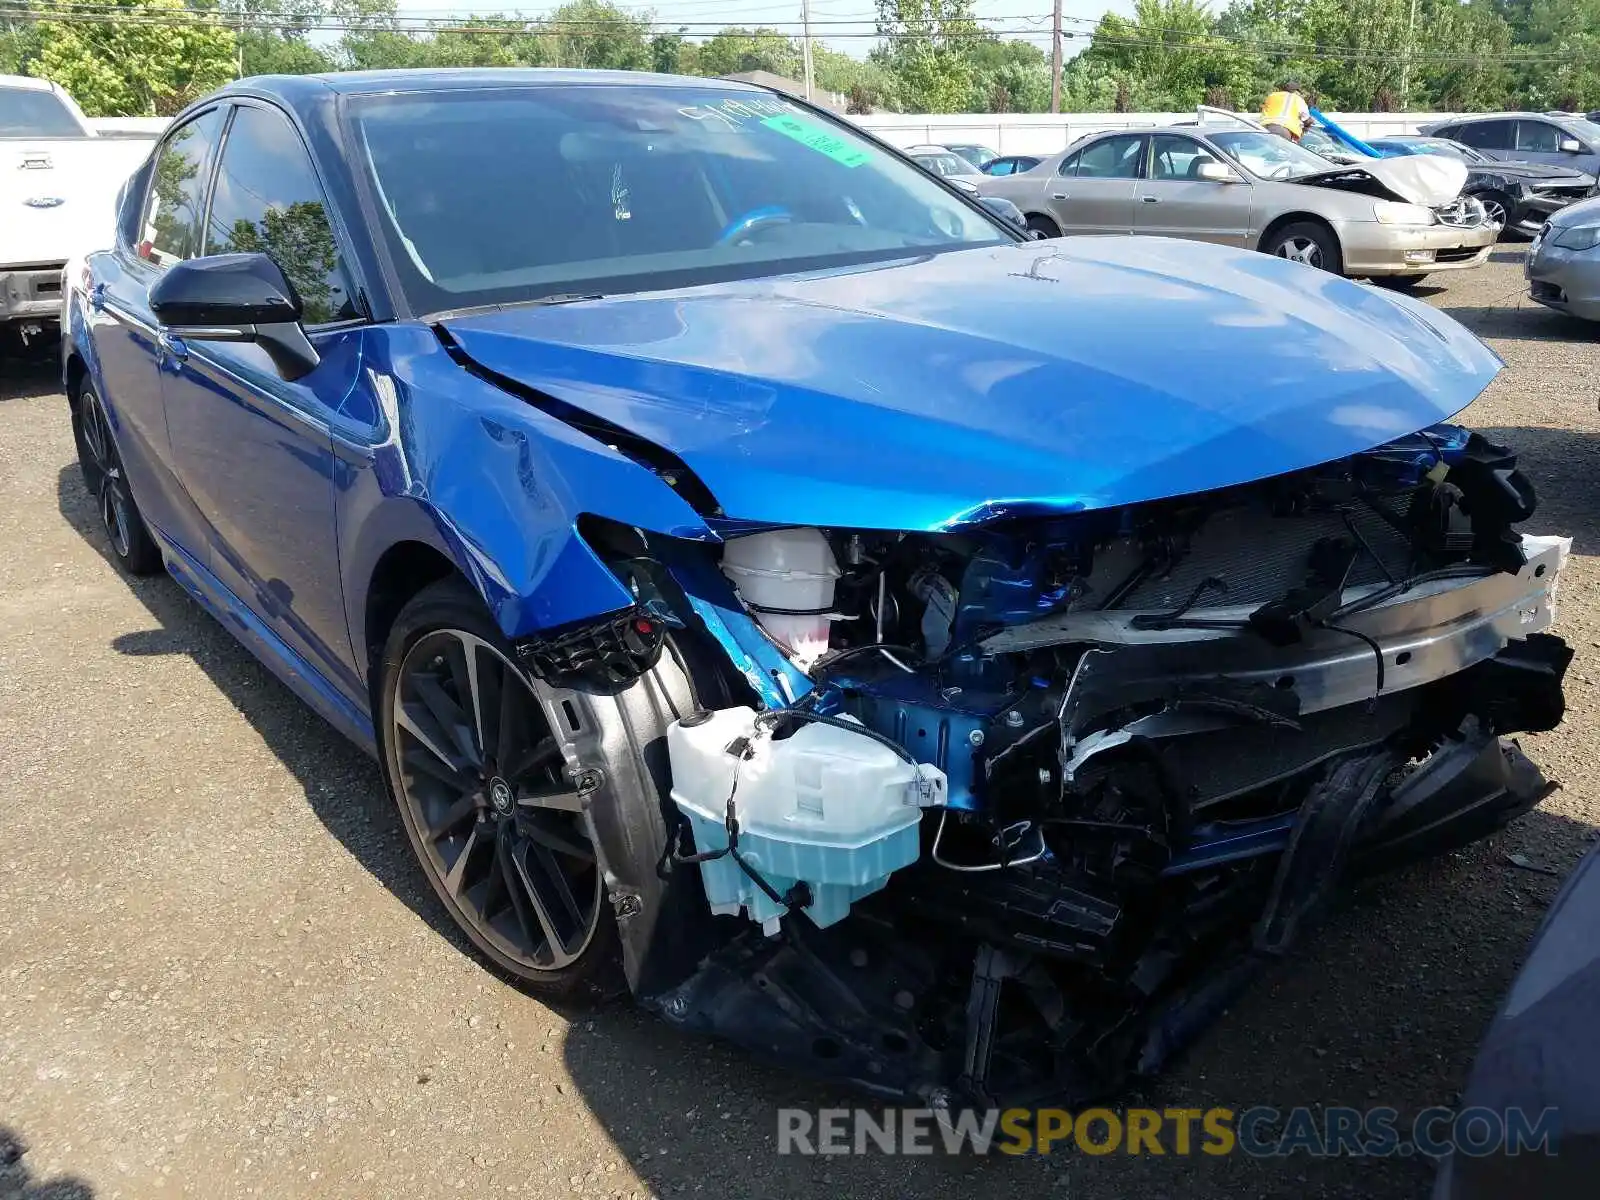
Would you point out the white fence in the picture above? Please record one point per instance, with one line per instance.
(1045, 133)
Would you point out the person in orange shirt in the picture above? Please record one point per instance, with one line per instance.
(1285, 112)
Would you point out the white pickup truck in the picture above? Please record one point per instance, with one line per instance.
(58, 188)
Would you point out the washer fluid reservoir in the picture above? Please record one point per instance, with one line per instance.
(835, 809)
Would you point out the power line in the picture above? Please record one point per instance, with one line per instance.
(89, 12)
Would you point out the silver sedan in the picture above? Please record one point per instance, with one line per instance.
(1564, 261)
(1385, 218)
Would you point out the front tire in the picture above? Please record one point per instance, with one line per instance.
(499, 828)
(1309, 243)
(107, 481)
(1044, 225)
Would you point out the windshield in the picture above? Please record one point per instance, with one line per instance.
(978, 156)
(29, 113)
(944, 164)
(1581, 128)
(509, 194)
(1269, 156)
(1444, 148)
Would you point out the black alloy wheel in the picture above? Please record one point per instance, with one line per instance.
(483, 789)
(107, 481)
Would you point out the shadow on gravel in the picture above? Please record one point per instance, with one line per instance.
(28, 378)
(1520, 318)
(342, 785)
(1382, 1003)
(18, 1183)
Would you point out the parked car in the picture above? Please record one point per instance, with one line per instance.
(1396, 219)
(1563, 263)
(1565, 141)
(1539, 1063)
(944, 163)
(718, 531)
(58, 188)
(1011, 164)
(979, 156)
(1519, 196)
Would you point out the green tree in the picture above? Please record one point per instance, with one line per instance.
(669, 53)
(864, 82)
(1566, 30)
(1169, 55)
(596, 33)
(928, 48)
(1008, 76)
(132, 67)
(735, 50)
(494, 40)
(19, 44)
(1359, 54)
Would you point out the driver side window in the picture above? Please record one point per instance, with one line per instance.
(1112, 158)
(1175, 157)
(1538, 137)
(169, 226)
(267, 200)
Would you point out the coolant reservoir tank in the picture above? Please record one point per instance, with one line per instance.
(787, 577)
(833, 808)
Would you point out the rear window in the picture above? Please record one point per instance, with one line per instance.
(26, 113)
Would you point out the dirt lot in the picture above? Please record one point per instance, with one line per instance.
(221, 976)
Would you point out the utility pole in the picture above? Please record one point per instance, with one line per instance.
(805, 42)
(1405, 62)
(1055, 60)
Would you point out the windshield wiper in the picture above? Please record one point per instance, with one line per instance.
(563, 298)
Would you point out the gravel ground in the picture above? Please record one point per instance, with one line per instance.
(221, 976)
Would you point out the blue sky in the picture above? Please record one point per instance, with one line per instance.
(844, 24)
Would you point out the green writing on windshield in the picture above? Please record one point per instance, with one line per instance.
(815, 137)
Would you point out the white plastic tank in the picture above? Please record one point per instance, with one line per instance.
(824, 805)
(792, 570)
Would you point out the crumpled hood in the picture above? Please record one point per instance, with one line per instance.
(1428, 179)
(1054, 376)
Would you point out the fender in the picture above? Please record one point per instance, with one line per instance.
(428, 437)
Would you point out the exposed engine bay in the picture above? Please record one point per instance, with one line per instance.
(1011, 811)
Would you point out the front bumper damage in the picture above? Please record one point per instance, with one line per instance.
(1051, 1011)
(1057, 788)
(1371, 248)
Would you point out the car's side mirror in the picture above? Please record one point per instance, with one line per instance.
(1215, 172)
(236, 298)
(1571, 146)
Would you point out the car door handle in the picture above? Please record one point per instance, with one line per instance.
(172, 346)
(1058, 195)
(1151, 199)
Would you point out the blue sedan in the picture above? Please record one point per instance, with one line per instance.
(757, 565)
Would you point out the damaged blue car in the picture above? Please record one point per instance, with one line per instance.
(939, 660)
